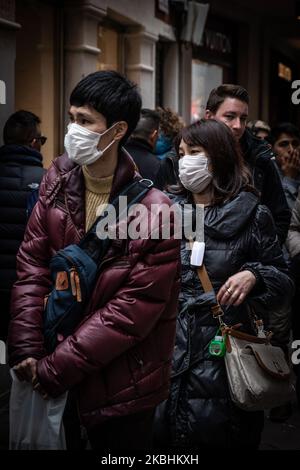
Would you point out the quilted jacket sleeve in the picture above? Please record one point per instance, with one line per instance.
(123, 322)
(267, 260)
(25, 332)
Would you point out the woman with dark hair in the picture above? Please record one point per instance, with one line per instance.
(247, 270)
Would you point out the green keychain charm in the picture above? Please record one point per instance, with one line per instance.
(217, 346)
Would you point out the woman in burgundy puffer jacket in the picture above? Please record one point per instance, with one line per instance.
(118, 360)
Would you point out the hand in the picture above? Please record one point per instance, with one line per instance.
(38, 388)
(236, 288)
(26, 370)
(290, 165)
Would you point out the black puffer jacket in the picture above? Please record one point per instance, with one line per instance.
(199, 413)
(21, 171)
(258, 155)
(161, 172)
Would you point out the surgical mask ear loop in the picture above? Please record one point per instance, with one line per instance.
(107, 147)
(102, 151)
(111, 143)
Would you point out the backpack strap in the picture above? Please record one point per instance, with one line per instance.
(91, 243)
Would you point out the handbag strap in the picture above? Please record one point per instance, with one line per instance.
(216, 310)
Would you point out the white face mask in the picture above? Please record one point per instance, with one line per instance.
(81, 144)
(193, 172)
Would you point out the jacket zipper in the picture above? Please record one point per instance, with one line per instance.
(137, 359)
(90, 304)
(69, 213)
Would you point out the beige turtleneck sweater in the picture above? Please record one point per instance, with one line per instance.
(97, 191)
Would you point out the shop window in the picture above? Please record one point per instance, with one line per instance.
(205, 77)
(37, 71)
(110, 43)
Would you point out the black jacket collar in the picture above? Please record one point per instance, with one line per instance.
(20, 154)
(141, 143)
(254, 148)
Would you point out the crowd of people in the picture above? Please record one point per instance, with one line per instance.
(137, 366)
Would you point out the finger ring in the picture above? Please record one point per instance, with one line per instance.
(229, 291)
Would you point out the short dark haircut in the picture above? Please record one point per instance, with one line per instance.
(148, 123)
(283, 128)
(229, 171)
(218, 95)
(112, 95)
(20, 128)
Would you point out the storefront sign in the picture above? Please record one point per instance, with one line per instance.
(215, 41)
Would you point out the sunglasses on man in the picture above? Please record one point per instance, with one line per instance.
(41, 138)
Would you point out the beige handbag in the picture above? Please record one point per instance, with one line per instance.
(258, 374)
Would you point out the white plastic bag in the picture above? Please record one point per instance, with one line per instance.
(35, 423)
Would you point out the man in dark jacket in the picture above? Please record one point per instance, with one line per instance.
(117, 362)
(229, 104)
(21, 170)
(141, 147)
